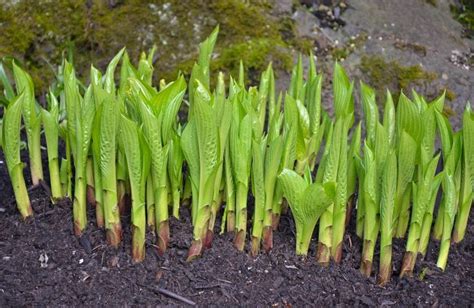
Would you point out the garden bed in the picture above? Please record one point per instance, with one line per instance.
(86, 272)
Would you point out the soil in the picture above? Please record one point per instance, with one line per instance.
(42, 263)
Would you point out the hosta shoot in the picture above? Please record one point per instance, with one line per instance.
(80, 114)
(450, 185)
(334, 170)
(467, 177)
(200, 142)
(11, 148)
(307, 201)
(50, 119)
(409, 131)
(32, 121)
(387, 203)
(138, 162)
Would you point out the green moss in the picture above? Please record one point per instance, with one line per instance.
(463, 12)
(416, 48)
(450, 95)
(382, 74)
(432, 2)
(339, 53)
(38, 31)
(255, 54)
(342, 52)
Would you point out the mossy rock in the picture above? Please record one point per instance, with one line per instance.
(382, 75)
(38, 32)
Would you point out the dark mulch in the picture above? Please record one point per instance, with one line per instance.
(88, 273)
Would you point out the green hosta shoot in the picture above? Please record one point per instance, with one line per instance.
(334, 169)
(354, 151)
(90, 190)
(32, 121)
(271, 165)
(467, 177)
(307, 95)
(80, 114)
(200, 142)
(96, 80)
(426, 151)
(341, 199)
(450, 207)
(371, 117)
(158, 113)
(371, 213)
(228, 221)
(378, 179)
(11, 148)
(223, 112)
(138, 162)
(451, 196)
(203, 143)
(240, 155)
(387, 203)
(424, 191)
(122, 180)
(307, 201)
(375, 162)
(50, 120)
(175, 170)
(98, 193)
(65, 169)
(258, 191)
(409, 131)
(446, 134)
(288, 158)
(109, 116)
(266, 156)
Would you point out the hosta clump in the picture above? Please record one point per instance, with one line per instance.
(125, 140)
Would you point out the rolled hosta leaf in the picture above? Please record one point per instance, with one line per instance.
(371, 112)
(451, 150)
(371, 210)
(422, 195)
(201, 148)
(138, 163)
(258, 191)
(450, 208)
(406, 156)
(11, 148)
(467, 185)
(50, 119)
(387, 203)
(32, 120)
(159, 162)
(80, 115)
(108, 166)
(240, 149)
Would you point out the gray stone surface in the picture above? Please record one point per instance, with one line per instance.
(387, 22)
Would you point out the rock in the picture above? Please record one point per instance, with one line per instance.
(422, 27)
(282, 7)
